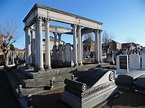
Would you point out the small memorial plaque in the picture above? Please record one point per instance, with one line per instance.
(123, 62)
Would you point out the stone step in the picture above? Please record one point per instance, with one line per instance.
(35, 75)
(42, 74)
(57, 78)
(22, 78)
(32, 91)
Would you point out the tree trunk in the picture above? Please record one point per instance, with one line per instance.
(6, 61)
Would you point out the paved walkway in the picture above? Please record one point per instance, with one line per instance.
(7, 98)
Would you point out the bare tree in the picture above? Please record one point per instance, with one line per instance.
(9, 32)
(106, 40)
(88, 38)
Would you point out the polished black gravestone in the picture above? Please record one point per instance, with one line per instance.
(90, 89)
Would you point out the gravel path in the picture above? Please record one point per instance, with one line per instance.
(126, 100)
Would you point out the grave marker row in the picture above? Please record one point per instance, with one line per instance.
(133, 62)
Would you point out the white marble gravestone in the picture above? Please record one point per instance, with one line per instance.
(68, 52)
(143, 60)
(122, 64)
(134, 61)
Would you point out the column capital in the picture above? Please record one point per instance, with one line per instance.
(25, 28)
(59, 34)
(74, 25)
(32, 28)
(55, 33)
(79, 26)
(46, 20)
(37, 18)
(97, 30)
(100, 31)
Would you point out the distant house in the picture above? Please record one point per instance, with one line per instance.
(89, 45)
(19, 53)
(131, 46)
(114, 45)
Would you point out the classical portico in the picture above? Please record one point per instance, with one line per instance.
(38, 20)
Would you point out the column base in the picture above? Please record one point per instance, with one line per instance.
(96, 62)
(80, 64)
(47, 68)
(39, 69)
(27, 66)
(76, 64)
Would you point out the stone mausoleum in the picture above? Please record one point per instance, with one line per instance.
(38, 20)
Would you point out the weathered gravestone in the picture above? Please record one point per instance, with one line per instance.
(55, 56)
(68, 54)
(90, 89)
(143, 60)
(122, 64)
(134, 61)
(110, 58)
(60, 52)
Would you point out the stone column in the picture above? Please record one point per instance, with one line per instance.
(96, 46)
(32, 46)
(36, 46)
(47, 46)
(55, 38)
(59, 38)
(82, 50)
(75, 44)
(28, 45)
(100, 47)
(39, 44)
(79, 45)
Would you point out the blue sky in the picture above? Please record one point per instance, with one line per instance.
(124, 20)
